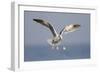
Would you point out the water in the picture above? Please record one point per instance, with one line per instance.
(43, 52)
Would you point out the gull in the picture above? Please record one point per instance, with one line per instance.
(57, 37)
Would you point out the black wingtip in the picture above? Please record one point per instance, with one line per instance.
(38, 20)
(76, 25)
(35, 19)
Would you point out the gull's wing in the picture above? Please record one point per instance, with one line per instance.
(70, 28)
(48, 25)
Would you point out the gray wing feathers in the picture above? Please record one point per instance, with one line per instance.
(70, 28)
(46, 24)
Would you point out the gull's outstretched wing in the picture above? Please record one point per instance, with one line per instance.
(47, 24)
(70, 28)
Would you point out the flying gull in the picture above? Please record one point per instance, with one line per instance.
(57, 37)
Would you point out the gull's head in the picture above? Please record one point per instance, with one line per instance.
(55, 41)
(72, 27)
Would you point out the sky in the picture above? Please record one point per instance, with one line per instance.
(36, 47)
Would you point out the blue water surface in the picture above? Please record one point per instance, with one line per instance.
(42, 52)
